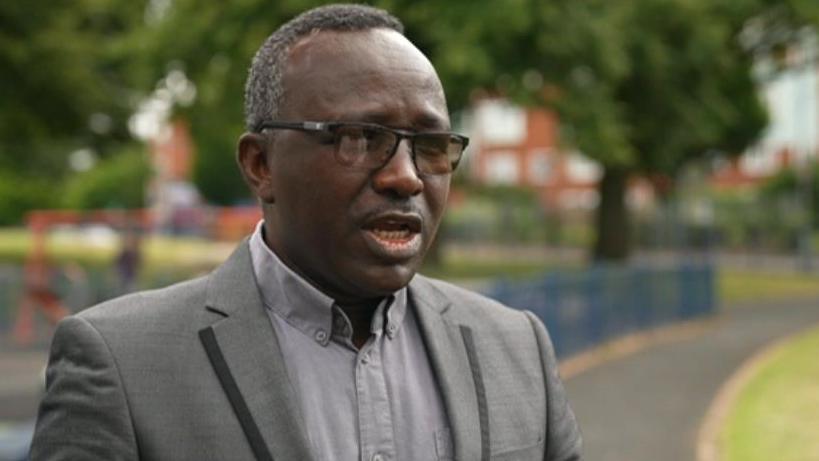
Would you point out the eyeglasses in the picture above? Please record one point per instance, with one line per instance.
(369, 146)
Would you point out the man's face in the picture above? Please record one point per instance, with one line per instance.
(355, 234)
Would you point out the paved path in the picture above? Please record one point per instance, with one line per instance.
(21, 379)
(649, 406)
(644, 407)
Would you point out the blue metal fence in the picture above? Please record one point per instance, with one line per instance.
(586, 308)
(10, 282)
(581, 309)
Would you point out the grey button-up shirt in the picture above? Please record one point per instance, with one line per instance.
(375, 404)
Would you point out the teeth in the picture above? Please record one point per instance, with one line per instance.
(392, 235)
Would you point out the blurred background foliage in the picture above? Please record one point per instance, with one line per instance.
(642, 87)
(65, 80)
(115, 182)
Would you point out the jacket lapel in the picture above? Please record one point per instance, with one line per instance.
(250, 350)
(451, 362)
(253, 360)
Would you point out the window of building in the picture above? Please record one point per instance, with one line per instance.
(500, 123)
(759, 162)
(540, 166)
(502, 167)
(581, 169)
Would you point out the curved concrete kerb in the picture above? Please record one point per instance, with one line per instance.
(708, 439)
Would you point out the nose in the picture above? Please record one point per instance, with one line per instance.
(399, 176)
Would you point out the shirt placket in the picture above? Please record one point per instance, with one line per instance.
(374, 413)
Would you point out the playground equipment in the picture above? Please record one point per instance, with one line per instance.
(38, 293)
(39, 270)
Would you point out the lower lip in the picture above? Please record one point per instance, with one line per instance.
(397, 249)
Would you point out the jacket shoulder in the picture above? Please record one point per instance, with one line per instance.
(469, 307)
(162, 305)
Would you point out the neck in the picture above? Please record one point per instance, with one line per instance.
(361, 318)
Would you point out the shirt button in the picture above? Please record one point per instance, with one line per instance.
(321, 335)
(391, 329)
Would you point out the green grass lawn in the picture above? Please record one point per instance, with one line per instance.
(737, 286)
(158, 251)
(776, 415)
(14, 242)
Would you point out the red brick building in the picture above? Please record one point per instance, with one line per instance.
(516, 146)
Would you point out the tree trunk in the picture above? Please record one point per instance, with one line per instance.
(612, 223)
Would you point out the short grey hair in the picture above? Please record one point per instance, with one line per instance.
(263, 91)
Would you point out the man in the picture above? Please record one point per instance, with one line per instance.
(316, 340)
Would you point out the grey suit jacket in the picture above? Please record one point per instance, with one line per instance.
(194, 372)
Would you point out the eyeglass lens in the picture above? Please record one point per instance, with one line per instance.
(370, 148)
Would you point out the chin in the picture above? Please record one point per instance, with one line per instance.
(382, 281)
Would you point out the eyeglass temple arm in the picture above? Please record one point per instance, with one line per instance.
(306, 126)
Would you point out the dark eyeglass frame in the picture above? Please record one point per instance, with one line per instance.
(334, 127)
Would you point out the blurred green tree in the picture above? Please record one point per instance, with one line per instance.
(643, 87)
(19, 194)
(212, 43)
(119, 181)
(64, 85)
(791, 184)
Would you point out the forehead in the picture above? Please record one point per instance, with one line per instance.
(376, 73)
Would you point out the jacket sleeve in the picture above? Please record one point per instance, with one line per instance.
(84, 413)
(563, 439)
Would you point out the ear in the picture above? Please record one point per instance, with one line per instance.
(252, 156)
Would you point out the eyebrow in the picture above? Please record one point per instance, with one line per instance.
(425, 121)
(431, 122)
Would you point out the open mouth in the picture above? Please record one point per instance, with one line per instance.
(393, 232)
(394, 235)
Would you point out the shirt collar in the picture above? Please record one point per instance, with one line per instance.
(305, 307)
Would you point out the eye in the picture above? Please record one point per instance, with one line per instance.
(370, 133)
(432, 144)
(326, 138)
(351, 132)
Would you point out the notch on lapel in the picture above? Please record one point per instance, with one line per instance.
(454, 364)
(246, 341)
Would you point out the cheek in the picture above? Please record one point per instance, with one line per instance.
(323, 200)
(304, 180)
(436, 191)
